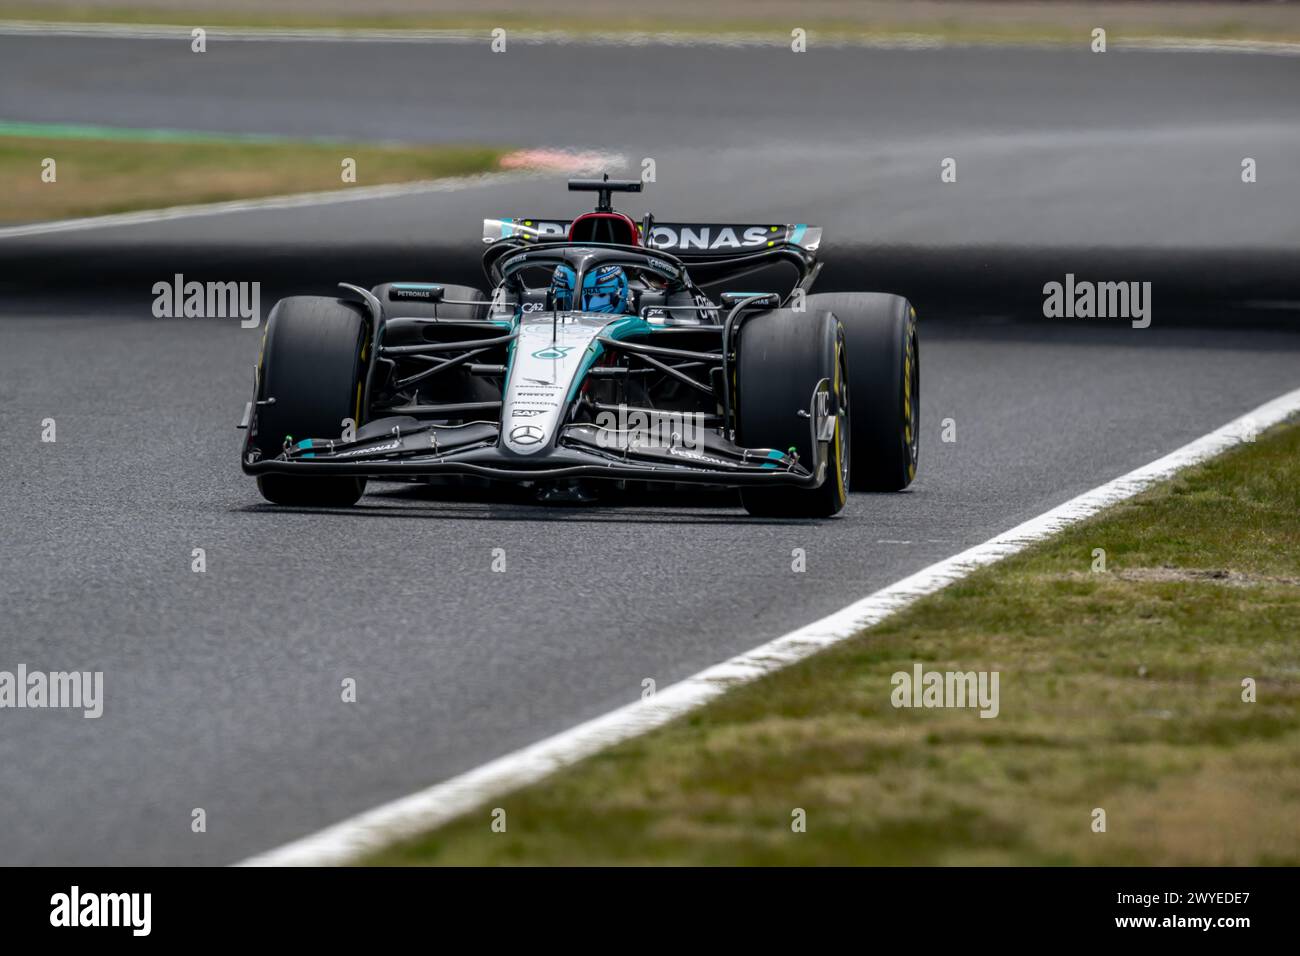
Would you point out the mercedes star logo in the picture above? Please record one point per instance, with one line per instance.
(526, 434)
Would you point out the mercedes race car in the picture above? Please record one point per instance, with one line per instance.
(595, 356)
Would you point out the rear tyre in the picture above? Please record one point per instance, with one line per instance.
(885, 379)
(313, 365)
(782, 355)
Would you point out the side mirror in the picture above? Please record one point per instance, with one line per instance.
(415, 292)
(751, 300)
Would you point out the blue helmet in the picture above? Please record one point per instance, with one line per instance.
(604, 289)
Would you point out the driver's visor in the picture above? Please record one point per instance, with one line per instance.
(597, 302)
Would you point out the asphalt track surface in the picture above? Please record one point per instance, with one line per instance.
(1116, 165)
(223, 688)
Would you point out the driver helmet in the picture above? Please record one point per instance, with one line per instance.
(604, 289)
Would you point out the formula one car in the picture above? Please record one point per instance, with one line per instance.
(595, 356)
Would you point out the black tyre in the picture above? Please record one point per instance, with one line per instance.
(885, 380)
(313, 365)
(402, 299)
(781, 356)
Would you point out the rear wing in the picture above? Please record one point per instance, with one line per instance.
(680, 238)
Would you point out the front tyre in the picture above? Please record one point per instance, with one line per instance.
(313, 366)
(781, 356)
(885, 364)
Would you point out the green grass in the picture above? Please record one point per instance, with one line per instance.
(1119, 690)
(108, 171)
(956, 24)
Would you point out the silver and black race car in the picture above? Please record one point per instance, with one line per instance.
(597, 354)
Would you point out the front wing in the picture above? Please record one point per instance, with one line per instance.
(407, 449)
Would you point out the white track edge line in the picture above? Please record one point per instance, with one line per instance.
(290, 201)
(427, 809)
(774, 38)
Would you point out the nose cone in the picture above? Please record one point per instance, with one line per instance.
(550, 358)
